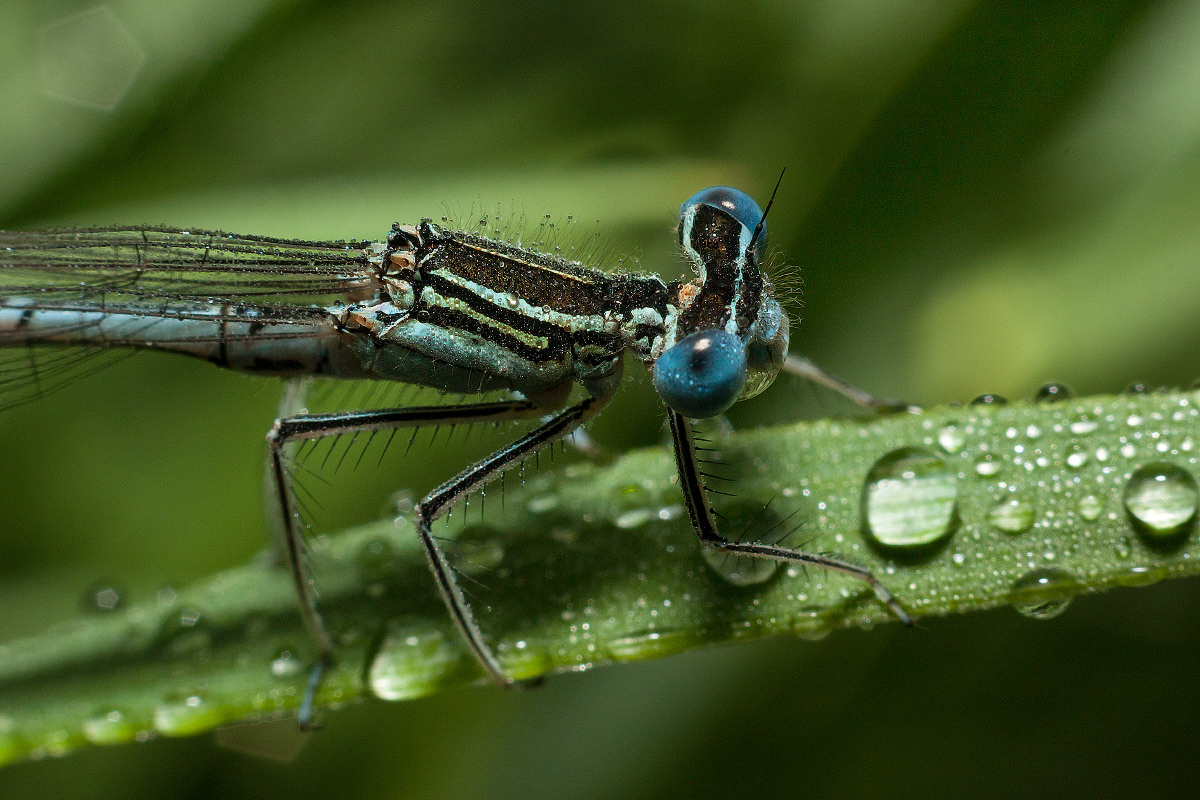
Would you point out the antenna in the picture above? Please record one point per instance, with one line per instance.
(758, 229)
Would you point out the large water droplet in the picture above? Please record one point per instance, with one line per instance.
(110, 727)
(990, 400)
(739, 570)
(286, 665)
(651, 644)
(1051, 392)
(1043, 593)
(987, 465)
(951, 438)
(185, 716)
(1012, 515)
(1161, 500)
(1091, 507)
(910, 499)
(411, 665)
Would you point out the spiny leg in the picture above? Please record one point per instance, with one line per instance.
(315, 426)
(804, 368)
(441, 499)
(691, 481)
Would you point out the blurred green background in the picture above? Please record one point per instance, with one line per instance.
(981, 197)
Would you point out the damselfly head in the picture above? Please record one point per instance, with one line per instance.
(730, 336)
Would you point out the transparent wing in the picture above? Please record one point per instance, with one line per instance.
(94, 292)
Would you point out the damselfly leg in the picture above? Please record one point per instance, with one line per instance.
(430, 508)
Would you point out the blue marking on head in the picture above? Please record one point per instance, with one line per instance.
(737, 204)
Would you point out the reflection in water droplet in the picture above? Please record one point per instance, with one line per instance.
(1091, 507)
(951, 439)
(989, 400)
(739, 570)
(111, 727)
(1077, 458)
(1051, 392)
(910, 499)
(1012, 515)
(1161, 499)
(1044, 593)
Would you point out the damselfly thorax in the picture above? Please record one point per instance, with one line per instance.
(428, 306)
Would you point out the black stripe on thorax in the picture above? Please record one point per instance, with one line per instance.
(541, 280)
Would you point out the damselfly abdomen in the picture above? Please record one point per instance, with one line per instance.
(457, 312)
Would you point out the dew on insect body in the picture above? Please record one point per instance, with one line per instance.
(1043, 593)
(1012, 515)
(1161, 500)
(910, 499)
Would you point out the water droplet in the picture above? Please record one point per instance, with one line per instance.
(635, 518)
(1077, 458)
(652, 644)
(511, 300)
(1012, 515)
(377, 560)
(478, 551)
(1082, 426)
(910, 499)
(1043, 593)
(110, 727)
(1136, 388)
(1122, 549)
(102, 597)
(186, 716)
(411, 665)
(524, 661)
(1161, 500)
(951, 438)
(812, 624)
(1051, 392)
(286, 665)
(987, 465)
(739, 570)
(990, 400)
(540, 505)
(1091, 507)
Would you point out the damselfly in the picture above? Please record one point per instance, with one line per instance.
(429, 306)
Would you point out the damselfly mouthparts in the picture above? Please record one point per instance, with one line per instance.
(428, 306)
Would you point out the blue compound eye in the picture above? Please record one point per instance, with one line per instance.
(738, 205)
(703, 374)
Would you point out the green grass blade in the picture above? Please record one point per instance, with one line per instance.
(956, 509)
